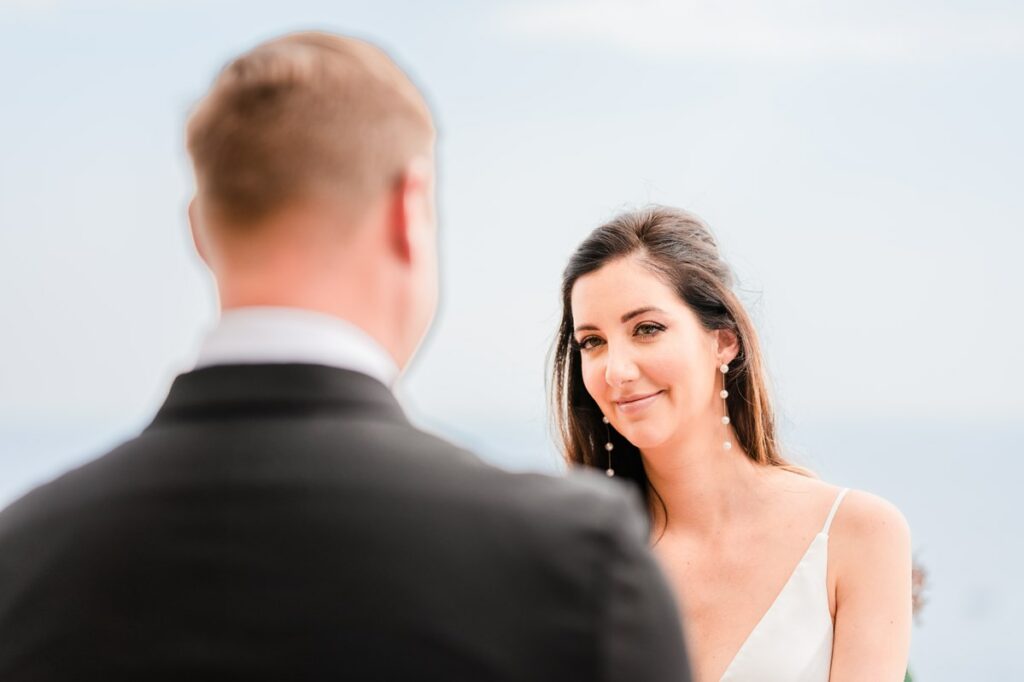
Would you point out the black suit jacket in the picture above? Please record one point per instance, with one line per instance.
(286, 522)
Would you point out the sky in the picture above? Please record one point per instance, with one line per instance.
(859, 163)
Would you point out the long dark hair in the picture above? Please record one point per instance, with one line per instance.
(679, 248)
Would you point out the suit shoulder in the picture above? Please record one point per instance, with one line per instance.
(66, 493)
(578, 486)
(578, 502)
(579, 497)
(585, 489)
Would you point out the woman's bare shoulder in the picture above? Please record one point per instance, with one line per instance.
(861, 516)
(869, 538)
(796, 485)
(865, 516)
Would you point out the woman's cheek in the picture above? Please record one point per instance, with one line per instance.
(593, 383)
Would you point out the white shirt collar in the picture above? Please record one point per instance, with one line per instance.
(269, 335)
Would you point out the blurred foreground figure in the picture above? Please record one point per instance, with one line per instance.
(280, 519)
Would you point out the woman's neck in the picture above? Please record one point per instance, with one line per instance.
(704, 486)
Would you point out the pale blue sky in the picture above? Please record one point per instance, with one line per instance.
(860, 163)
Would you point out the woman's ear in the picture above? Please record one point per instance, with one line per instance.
(727, 345)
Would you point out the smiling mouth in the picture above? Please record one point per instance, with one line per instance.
(637, 403)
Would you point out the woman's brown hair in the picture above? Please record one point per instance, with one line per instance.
(679, 248)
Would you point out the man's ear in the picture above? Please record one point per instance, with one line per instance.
(196, 230)
(411, 208)
(727, 345)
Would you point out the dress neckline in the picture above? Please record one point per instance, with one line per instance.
(823, 533)
(782, 591)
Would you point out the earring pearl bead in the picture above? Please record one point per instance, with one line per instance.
(724, 368)
(725, 420)
(724, 394)
(610, 472)
(727, 445)
(609, 447)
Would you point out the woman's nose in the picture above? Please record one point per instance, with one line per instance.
(620, 368)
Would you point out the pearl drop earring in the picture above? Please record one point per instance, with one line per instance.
(724, 369)
(609, 447)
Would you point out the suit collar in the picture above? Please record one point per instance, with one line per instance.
(262, 335)
(299, 389)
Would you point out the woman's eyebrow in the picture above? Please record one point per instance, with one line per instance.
(625, 318)
(640, 311)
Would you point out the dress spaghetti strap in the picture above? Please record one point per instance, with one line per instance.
(793, 640)
(835, 507)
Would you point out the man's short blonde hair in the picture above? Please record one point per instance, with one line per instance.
(306, 115)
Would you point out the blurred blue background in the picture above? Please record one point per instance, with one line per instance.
(860, 164)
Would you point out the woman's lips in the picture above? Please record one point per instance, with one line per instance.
(637, 404)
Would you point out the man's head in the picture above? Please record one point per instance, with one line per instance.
(313, 156)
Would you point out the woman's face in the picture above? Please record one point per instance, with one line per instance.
(647, 361)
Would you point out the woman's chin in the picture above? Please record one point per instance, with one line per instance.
(647, 439)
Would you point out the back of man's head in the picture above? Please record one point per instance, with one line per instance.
(313, 157)
(304, 116)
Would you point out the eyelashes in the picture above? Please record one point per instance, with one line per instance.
(644, 331)
(652, 329)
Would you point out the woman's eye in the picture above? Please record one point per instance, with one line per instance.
(648, 329)
(589, 342)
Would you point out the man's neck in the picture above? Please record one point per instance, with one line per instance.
(352, 299)
(285, 334)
